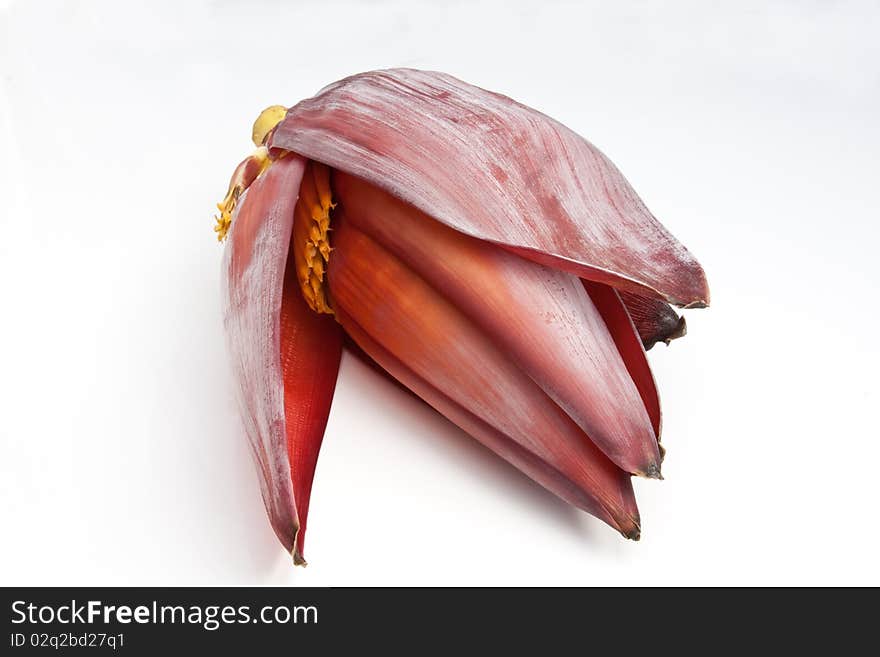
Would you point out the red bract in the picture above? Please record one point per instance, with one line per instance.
(485, 256)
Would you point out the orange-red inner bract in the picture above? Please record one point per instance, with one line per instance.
(417, 312)
(311, 340)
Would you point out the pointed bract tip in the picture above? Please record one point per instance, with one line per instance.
(633, 532)
(679, 331)
(298, 558)
(651, 472)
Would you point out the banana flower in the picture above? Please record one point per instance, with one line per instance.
(485, 256)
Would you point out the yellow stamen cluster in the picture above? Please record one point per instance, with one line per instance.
(250, 169)
(226, 206)
(246, 172)
(310, 242)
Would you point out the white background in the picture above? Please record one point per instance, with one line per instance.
(749, 128)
